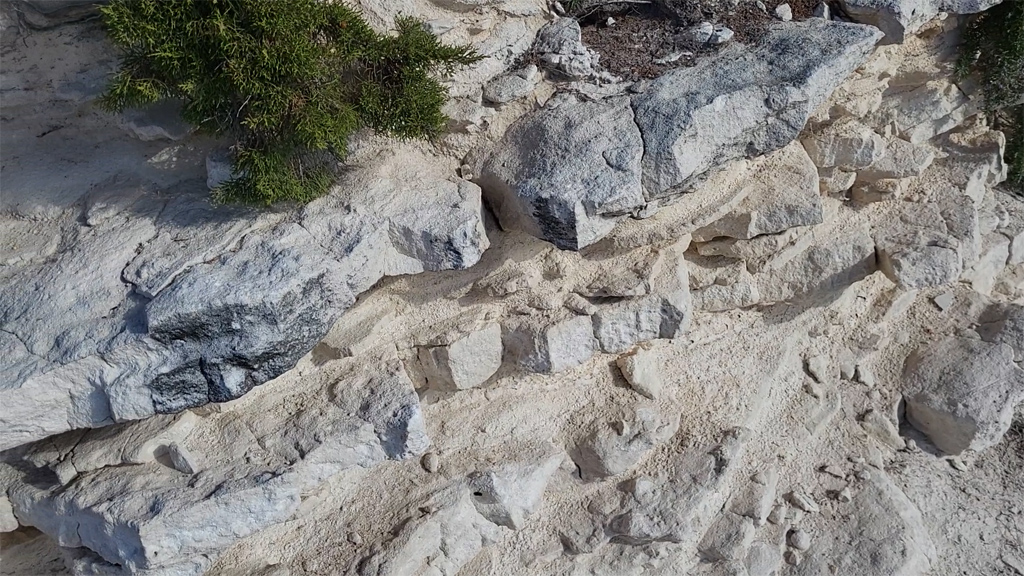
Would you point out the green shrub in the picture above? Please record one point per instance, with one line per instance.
(290, 80)
(993, 47)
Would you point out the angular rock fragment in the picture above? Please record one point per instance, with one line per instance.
(568, 172)
(784, 194)
(550, 345)
(962, 393)
(464, 363)
(8, 523)
(512, 85)
(828, 266)
(1004, 324)
(507, 494)
(901, 159)
(755, 498)
(920, 258)
(881, 428)
(641, 370)
(847, 144)
(728, 538)
(900, 18)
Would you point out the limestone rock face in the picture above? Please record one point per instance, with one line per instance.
(962, 393)
(189, 304)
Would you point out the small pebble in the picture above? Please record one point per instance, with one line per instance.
(610, 21)
(760, 6)
(844, 495)
(944, 301)
(799, 539)
(863, 375)
(791, 557)
(823, 11)
(875, 395)
(784, 12)
(857, 459)
(863, 475)
(430, 462)
(355, 538)
(958, 464)
(778, 514)
(912, 445)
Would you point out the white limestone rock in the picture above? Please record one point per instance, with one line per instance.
(560, 46)
(8, 522)
(755, 498)
(728, 538)
(900, 543)
(827, 265)
(962, 392)
(550, 345)
(846, 144)
(613, 449)
(1004, 324)
(900, 18)
(512, 85)
(641, 369)
(783, 194)
(464, 363)
(507, 494)
(982, 275)
(920, 258)
(901, 159)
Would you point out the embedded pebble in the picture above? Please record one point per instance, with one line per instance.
(833, 471)
(944, 301)
(784, 12)
(778, 514)
(958, 464)
(803, 502)
(792, 558)
(799, 539)
(430, 462)
(355, 538)
(844, 495)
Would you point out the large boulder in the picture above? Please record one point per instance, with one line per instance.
(166, 303)
(568, 172)
(962, 392)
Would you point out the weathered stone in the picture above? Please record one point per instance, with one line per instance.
(509, 493)
(900, 160)
(675, 506)
(827, 266)
(728, 538)
(512, 86)
(568, 172)
(763, 559)
(641, 370)
(900, 543)
(899, 18)
(783, 194)
(148, 518)
(846, 144)
(465, 363)
(1004, 325)
(995, 251)
(561, 48)
(834, 180)
(242, 299)
(611, 450)
(743, 102)
(962, 393)
(8, 523)
(881, 428)
(754, 499)
(920, 258)
(552, 346)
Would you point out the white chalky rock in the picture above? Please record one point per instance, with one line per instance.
(1004, 325)
(920, 258)
(882, 428)
(512, 86)
(962, 393)
(782, 194)
(833, 180)
(549, 346)
(763, 559)
(641, 369)
(982, 275)
(755, 498)
(728, 538)
(784, 12)
(614, 449)
(8, 523)
(464, 363)
(900, 18)
(507, 494)
(847, 144)
(901, 159)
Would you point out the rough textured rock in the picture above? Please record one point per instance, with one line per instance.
(743, 102)
(919, 259)
(567, 172)
(614, 449)
(146, 518)
(846, 144)
(512, 86)
(640, 368)
(783, 194)
(962, 393)
(827, 266)
(509, 493)
(550, 346)
(900, 160)
(464, 363)
(899, 18)
(191, 304)
(900, 543)
(1005, 325)
(8, 523)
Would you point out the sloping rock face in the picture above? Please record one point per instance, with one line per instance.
(135, 296)
(559, 176)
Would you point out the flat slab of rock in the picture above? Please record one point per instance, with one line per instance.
(962, 393)
(898, 18)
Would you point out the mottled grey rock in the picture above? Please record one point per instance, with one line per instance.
(568, 172)
(172, 303)
(962, 393)
(150, 518)
(560, 46)
(744, 101)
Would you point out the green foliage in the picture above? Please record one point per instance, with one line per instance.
(993, 47)
(290, 80)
